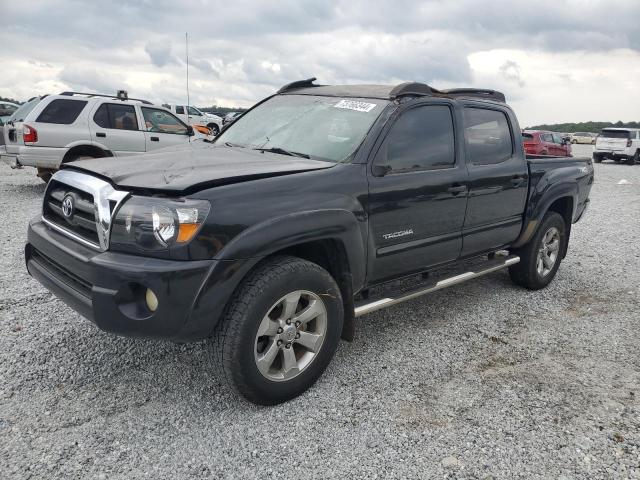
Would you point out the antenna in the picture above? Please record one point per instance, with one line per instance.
(186, 38)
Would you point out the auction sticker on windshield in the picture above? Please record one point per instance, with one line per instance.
(357, 106)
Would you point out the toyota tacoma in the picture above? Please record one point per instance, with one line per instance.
(319, 205)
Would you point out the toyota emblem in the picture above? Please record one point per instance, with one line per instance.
(67, 206)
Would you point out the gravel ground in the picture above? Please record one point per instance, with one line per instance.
(484, 380)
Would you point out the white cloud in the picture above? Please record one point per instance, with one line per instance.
(556, 60)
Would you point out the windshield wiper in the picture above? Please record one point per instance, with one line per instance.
(282, 151)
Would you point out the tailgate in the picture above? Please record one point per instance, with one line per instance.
(13, 137)
(606, 143)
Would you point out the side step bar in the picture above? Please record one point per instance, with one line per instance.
(498, 263)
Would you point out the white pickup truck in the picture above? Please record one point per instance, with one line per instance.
(193, 116)
(618, 144)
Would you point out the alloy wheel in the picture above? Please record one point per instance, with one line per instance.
(290, 335)
(548, 252)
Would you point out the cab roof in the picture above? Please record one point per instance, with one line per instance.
(386, 92)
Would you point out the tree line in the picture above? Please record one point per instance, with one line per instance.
(594, 127)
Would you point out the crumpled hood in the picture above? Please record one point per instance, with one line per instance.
(195, 166)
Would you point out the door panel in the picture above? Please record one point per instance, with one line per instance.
(498, 181)
(116, 126)
(163, 129)
(417, 194)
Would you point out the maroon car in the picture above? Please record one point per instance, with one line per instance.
(539, 142)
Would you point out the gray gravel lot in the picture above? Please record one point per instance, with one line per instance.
(484, 380)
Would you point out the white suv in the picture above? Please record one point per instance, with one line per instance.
(55, 129)
(618, 144)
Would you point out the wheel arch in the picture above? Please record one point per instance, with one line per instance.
(330, 238)
(331, 255)
(561, 201)
(89, 150)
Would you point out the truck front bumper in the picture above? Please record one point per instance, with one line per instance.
(110, 288)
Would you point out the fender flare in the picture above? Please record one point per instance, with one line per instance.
(283, 232)
(540, 201)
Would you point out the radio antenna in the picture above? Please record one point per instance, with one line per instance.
(186, 39)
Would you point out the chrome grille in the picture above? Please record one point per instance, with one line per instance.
(80, 206)
(83, 220)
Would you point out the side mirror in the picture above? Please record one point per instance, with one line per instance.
(190, 131)
(380, 170)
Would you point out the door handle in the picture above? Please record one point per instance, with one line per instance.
(456, 189)
(101, 134)
(154, 139)
(517, 179)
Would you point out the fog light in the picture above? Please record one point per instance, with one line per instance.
(152, 300)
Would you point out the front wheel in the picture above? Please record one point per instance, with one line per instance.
(214, 129)
(280, 330)
(541, 257)
(634, 159)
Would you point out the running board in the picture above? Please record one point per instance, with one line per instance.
(498, 263)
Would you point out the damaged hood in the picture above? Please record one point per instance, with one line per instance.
(198, 165)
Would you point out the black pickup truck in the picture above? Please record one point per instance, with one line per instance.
(299, 217)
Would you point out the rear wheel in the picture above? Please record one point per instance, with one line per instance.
(597, 158)
(541, 257)
(280, 330)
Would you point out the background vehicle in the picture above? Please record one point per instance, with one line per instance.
(6, 110)
(537, 142)
(583, 137)
(618, 144)
(231, 117)
(49, 131)
(193, 116)
(272, 238)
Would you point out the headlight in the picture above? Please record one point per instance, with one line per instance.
(153, 224)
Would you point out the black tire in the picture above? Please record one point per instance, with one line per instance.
(236, 342)
(597, 158)
(526, 273)
(635, 159)
(215, 130)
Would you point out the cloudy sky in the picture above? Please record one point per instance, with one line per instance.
(557, 61)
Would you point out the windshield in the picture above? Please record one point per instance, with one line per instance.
(323, 128)
(24, 109)
(615, 134)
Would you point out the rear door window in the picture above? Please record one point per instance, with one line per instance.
(116, 116)
(179, 109)
(61, 111)
(487, 135)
